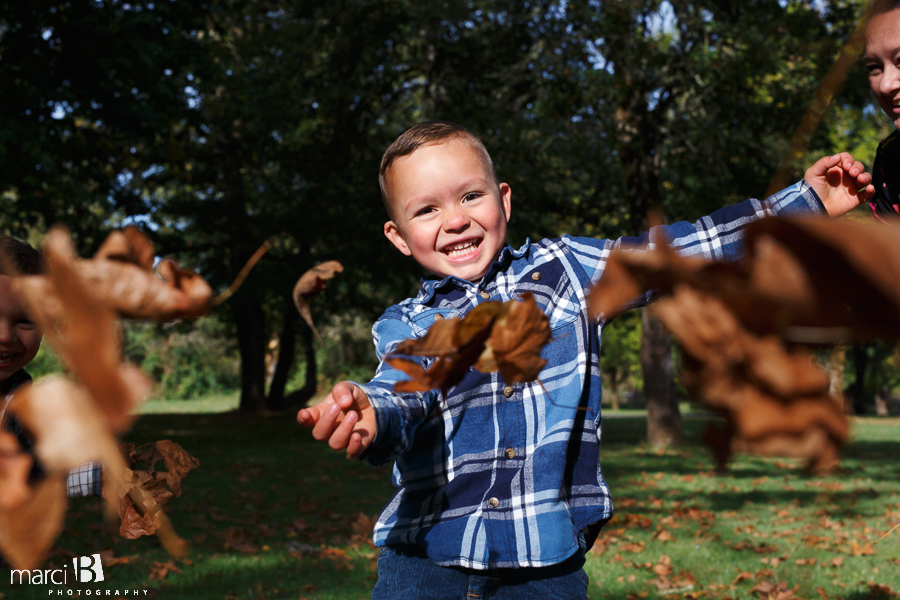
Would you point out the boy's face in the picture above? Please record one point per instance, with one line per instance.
(449, 214)
(19, 337)
(883, 61)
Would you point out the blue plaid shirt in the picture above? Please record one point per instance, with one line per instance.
(499, 475)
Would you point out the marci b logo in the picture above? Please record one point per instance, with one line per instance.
(88, 569)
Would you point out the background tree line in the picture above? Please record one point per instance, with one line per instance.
(216, 125)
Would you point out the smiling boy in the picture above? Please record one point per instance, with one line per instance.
(20, 340)
(500, 491)
(882, 59)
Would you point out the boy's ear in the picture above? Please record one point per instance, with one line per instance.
(392, 232)
(506, 200)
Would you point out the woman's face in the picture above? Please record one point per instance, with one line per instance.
(882, 58)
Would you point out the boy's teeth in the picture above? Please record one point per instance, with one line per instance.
(6, 355)
(459, 248)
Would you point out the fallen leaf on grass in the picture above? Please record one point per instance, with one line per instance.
(663, 536)
(494, 336)
(310, 285)
(742, 576)
(865, 550)
(632, 547)
(664, 566)
(159, 571)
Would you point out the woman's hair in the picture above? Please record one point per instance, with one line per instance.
(25, 259)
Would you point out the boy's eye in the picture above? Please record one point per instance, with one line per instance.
(873, 68)
(424, 211)
(471, 196)
(27, 323)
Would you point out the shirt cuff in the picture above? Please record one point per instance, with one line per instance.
(798, 200)
(86, 480)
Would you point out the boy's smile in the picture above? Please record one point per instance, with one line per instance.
(449, 213)
(883, 61)
(19, 337)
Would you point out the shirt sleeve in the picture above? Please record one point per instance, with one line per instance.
(717, 236)
(86, 480)
(396, 415)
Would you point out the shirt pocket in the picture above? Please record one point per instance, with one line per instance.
(554, 293)
(424, 320)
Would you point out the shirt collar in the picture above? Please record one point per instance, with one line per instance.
(430, 283)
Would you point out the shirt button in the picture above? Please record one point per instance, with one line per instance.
(484, 294)
(536, 276)
(493, 503)
(439, 317)
(510, 453)
(508, 391)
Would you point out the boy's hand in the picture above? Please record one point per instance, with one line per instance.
(841, 183)
(345, 418)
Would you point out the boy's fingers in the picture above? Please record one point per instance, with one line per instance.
(341, 435)
(325, 424)
(354, 446)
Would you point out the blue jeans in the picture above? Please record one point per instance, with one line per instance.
(405, 572)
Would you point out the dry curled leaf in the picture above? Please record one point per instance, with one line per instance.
(148, 489)
(69, 430)
(311, 285)
(121, 277)
(805, 281)
(494, 336)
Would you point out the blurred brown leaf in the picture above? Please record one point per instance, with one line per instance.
(147, 489)
(741, 326)
(311, 285)
(494, 336)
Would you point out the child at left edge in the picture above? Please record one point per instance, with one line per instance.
(20, 340)
(498, 490)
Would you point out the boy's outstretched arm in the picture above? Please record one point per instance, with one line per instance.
(345, 418)
(841, 183)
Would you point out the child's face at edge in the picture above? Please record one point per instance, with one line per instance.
(19, 337)
(449, 215)
(882, 58)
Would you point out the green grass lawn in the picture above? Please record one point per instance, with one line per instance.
(272, 514)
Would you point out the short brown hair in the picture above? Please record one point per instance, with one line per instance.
(424, 134)
(25, 259)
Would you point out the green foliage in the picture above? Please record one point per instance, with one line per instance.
(45, 363)
(347, 351)
(187, 359)
(620, 361)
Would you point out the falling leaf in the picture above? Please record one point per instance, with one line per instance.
(14, 468)
(494, 336)
(739, 325)
(310, 285)
(28, 531)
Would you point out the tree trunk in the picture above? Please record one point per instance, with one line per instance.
(303, 395)
(286, 343)
(250, 320)
(637, 134)
(858, 389)
(664, 424)
(837, 363)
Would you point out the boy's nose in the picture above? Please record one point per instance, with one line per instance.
(6, 333)
(455, 219)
